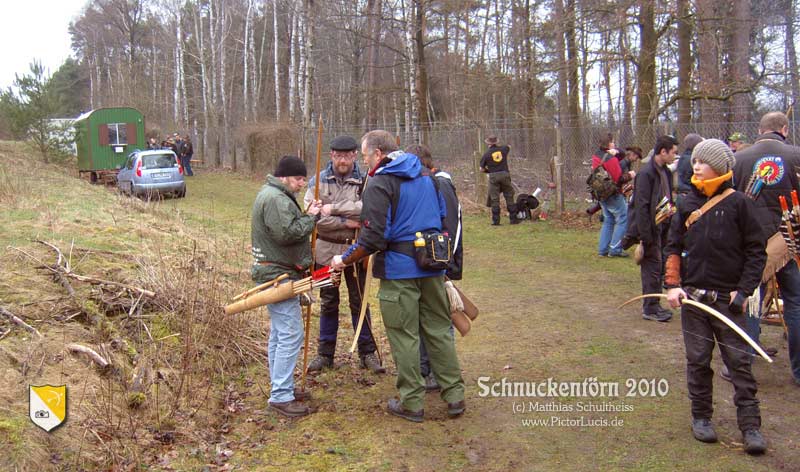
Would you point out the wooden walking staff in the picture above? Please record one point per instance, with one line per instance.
(313, 253)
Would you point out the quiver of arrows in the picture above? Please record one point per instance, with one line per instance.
(790, 222)
(277, 290)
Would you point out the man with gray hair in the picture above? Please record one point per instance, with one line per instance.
(765, 172)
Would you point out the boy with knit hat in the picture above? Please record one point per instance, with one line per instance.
(715, 255)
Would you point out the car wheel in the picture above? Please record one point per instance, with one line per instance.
(181, 193)
(93, 177)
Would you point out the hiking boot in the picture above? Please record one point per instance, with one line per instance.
(754, 442)
(703, 430)
(302, 395)
(495, 223)
(292, 409)
(431, 385)
(725, 373)
(514, 220)
(370, 361)
(319, 363)
(657, 316)
(396, 408)
(456, 409)
(618, 254)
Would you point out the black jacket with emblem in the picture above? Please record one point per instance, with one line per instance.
(769, 150)
(724, 249)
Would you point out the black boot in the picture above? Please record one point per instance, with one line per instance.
(495, 217)
(512, 215)
(754, 442)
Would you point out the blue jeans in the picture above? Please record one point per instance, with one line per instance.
(285, 340)
(789, 283)
(615, 221)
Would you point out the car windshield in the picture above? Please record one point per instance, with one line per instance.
(158, 161)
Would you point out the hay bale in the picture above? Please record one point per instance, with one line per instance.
(264, 143)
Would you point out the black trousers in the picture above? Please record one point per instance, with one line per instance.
(329, 314)
(652, 269)
(699, 332)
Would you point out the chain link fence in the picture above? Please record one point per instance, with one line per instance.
(457, 149)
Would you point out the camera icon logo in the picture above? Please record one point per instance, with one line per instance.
(42, 414)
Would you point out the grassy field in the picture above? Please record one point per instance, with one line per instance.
(548, 311)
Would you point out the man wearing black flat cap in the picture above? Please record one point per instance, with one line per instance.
(495, 163)
(340, 186)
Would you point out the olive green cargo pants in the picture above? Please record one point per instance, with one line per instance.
(419, 307)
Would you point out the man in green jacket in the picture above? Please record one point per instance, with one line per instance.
(281, 245)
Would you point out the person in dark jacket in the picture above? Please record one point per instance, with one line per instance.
(764, 172)
(451, 224)
(399, 201)
(187, 151)
(716, 259)
(495, 163)
(281, 245)
(615, 209)
(652, 205)
(684, 169)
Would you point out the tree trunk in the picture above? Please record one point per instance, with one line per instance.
(561, 64)
(684, 62)
(422, 73)
(791, 52)
(277, 61)
(739, 61)
(374, 8)
(708, 60)
(573, 106)
(646, 77)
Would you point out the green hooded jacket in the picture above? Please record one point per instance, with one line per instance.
(280, 233)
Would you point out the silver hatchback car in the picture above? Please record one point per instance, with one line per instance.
(150, 173)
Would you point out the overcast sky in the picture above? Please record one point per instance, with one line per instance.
(34, 29)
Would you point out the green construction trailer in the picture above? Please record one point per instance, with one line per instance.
(104, 138)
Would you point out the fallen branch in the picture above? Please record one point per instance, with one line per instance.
(17, 321)
(93, 355)
(83, 278)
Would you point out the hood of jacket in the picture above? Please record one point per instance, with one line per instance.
(405, 165)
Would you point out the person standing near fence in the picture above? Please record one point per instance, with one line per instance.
(652, 207)
(615, 208)
(451, 224)
(766, 171)
(495, 163)
(187, 151)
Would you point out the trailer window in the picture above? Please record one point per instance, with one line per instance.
(117, 133)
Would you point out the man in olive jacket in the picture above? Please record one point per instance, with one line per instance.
(281, 245)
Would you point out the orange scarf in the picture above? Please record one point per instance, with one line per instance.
(710, 186)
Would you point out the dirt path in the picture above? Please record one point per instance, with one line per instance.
(543, 316)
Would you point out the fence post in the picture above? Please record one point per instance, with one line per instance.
(481, 181)
(559, 182)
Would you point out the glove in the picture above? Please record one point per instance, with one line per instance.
(456, 304)
(737, 304)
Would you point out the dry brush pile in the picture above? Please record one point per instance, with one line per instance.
(138, 336)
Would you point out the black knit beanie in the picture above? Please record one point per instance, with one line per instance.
(290, 166)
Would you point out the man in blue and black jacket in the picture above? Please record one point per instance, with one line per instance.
(401, 199)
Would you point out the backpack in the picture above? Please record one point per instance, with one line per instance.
(600, 183)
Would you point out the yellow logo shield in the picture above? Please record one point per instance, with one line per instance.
(48, 405)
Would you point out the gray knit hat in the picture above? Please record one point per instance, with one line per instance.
(716, 154)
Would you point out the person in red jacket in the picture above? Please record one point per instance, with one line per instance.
(615, 209)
